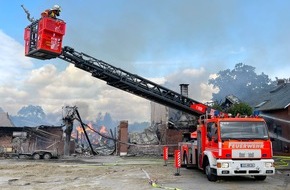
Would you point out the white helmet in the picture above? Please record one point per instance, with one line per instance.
(56, 7)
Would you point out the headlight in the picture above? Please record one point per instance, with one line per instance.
(223, 165)
(268, 164)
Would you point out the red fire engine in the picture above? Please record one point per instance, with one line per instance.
(230, 146)
(221, 146)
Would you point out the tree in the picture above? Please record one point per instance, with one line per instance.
(217, 106)
(242, 82)
(234, 109)
(241, 108)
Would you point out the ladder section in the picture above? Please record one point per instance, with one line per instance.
(131, 83)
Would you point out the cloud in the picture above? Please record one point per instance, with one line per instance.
(13, 64)
(198, 88)
(52, 88)
(74, 87)
(238, 51)
(206, 91)
(160, 80)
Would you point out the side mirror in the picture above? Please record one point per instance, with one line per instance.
(272, 139)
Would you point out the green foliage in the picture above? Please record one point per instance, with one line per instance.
(217, 106)
(241, 108)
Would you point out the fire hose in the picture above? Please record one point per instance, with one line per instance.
(154, 183)
(282, 161)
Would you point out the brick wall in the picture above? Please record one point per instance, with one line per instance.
(122, 149)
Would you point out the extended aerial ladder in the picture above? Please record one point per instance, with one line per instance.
(43, 40)
(131, 83)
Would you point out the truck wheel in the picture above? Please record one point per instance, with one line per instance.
(260, 177)
(210, 176)
(36, 156)
(47, 156)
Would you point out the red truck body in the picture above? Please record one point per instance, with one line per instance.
(227, 146)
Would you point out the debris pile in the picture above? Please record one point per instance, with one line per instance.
(143, 143)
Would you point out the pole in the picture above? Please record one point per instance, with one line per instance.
(77, 112)
(177, 162)
(165, 155)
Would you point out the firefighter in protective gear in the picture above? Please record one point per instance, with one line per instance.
(53, 12)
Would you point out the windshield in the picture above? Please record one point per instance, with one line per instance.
(243, 130)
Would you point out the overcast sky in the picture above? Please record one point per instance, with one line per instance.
(166, 41)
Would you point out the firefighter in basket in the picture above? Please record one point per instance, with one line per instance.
(53, 12)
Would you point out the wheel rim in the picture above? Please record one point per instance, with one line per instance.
(207, 170)
(36, 156)
(47, 156)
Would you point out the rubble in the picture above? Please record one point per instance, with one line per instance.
(144, 143)
(148, 136)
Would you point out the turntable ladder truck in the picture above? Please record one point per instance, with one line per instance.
(221, 145)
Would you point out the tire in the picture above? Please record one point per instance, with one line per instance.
(208, 172)
(260, 177)
(36, 156)
(47, 156)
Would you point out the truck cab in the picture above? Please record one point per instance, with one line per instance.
(233, 146)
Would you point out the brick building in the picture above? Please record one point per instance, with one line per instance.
(172, 124)
(275, 108)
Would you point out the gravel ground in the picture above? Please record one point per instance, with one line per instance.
(102, 173)
(113, 172)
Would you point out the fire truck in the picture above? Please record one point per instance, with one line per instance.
(229, 146)
(221, 146)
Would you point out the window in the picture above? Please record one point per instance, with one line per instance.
(243, 130)
(212, 131)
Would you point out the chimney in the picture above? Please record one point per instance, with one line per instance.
(280, 81)
(184, 89)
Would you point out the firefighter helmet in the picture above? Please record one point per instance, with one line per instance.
(56, 8)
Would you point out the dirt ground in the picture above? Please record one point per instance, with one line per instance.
(104, 173)
(118, 173)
